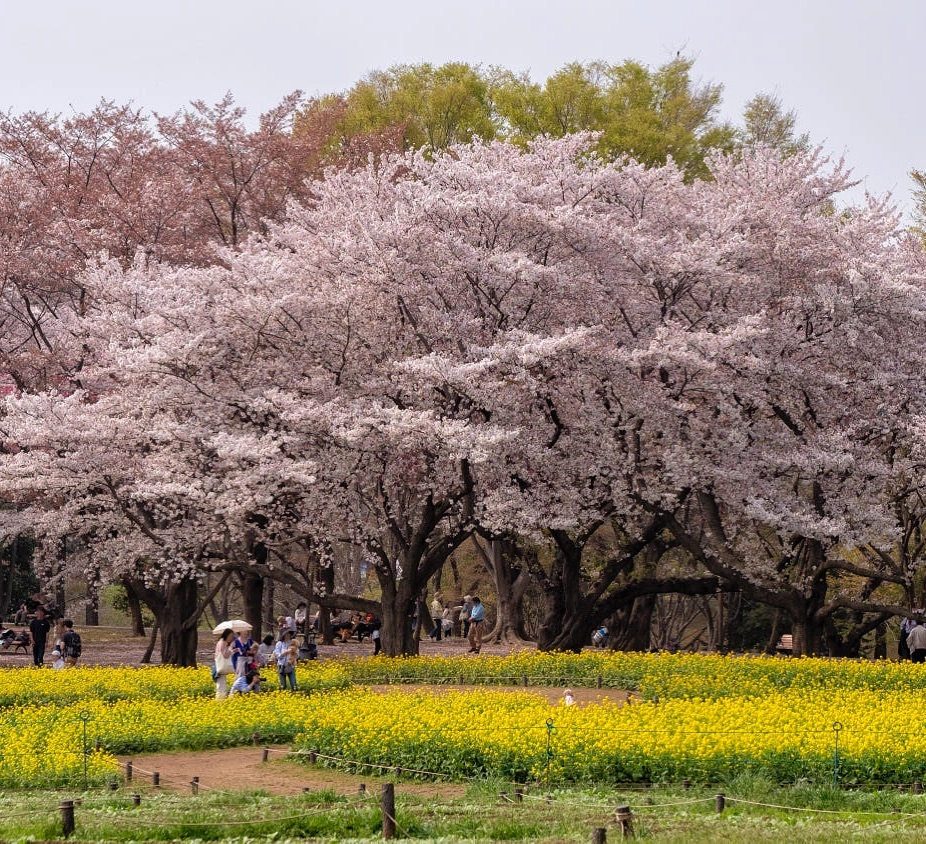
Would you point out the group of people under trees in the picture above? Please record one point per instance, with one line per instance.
(237, 654)
(471, 616)
(38, 624)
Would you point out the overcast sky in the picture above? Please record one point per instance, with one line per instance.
(852, 70)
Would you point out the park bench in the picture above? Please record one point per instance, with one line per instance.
(785, 644)
(12, 641)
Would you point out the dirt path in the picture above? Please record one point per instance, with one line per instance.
(242, 768)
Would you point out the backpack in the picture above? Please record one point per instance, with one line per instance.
(72, 645)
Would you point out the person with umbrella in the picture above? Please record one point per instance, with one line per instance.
(223, 662)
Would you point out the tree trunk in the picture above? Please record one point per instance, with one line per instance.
(735, 621)
(630, 628)
(397, 636)
(252, 596)
(775, 635)
(268, 614)
(562, 591)
(176, 614)
(806, 631)
(881, 641)
(325, 587)
(138, 622)
(146, 657)
(178, 635)
(92, 606)
(10, 573)
(501, 558)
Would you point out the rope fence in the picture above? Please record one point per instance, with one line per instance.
(74, 812)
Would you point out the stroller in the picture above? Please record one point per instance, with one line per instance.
(15, 641)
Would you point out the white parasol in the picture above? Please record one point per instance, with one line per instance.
(235, 624)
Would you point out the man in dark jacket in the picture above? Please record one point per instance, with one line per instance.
(39, 627)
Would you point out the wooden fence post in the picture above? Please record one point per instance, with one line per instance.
(625, 821)
(67, 818)
(388, 809)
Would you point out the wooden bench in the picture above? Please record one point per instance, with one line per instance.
(20, 641)
(785, 644)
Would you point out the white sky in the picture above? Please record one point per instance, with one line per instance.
(852, 70)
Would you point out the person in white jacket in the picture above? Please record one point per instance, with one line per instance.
(916, 639)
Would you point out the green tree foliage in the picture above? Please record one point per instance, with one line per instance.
(572, 100)
(432, 106)
(650, 114)
(766, 122)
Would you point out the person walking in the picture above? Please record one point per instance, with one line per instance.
(223, 663)
(477, 619)
(903, 649)
(465, 614)
(39, 627)
(437, 614)
(916, 640)
(71, 646)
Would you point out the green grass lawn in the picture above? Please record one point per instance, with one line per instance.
(755, 811)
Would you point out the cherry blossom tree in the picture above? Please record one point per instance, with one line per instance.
(807, 342)
(747, 341)
(117, 184)
(528, 342)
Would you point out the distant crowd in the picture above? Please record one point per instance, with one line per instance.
(37, 624)
(239, 657)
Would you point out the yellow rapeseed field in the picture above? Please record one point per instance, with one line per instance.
(704, 718)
